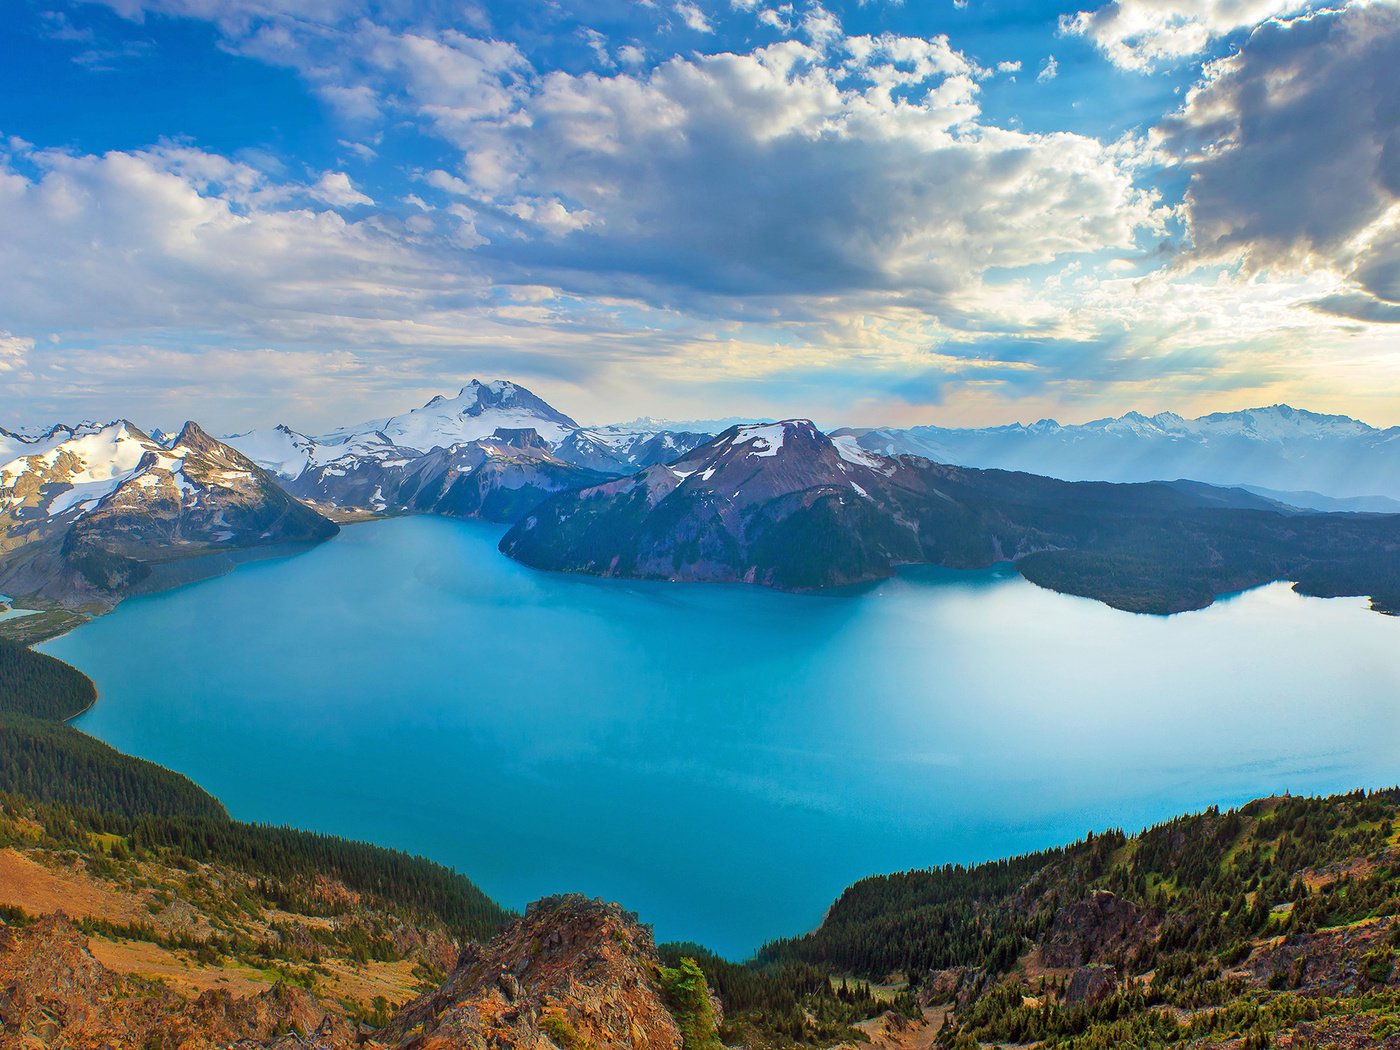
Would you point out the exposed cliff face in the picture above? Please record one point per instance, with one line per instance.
(1100, 928)
(572, 974)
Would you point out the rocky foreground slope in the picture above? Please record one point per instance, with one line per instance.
(1272, 926)
(572, 973)
(786, 506)
(135, 913)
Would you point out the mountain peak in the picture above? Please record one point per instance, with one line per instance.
(478, 397)
(193, 436)
(766, 439)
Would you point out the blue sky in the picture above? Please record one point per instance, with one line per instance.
(315, 211)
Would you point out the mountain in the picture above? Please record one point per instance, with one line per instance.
(1339, 504)
(1279, 448)
(786, 506)
(494, 451)
(89, 513)
(620, 449)
(478, 411)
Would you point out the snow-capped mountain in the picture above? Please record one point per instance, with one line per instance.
(87, 509)
(478, 411)
(1278, 448)
(721, 512)
(280, 451)
(523, 449)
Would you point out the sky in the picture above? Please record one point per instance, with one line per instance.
(956, 211)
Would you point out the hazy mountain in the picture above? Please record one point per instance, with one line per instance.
(1280, 448)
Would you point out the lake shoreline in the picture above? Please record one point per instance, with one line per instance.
(552, 723)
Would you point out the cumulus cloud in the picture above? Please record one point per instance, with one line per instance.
(1145, 34)
(1048, 71)
(161, 238)
(792, 170)
(831, 204)
(693, 18)
(1294, 152)
(335, 188)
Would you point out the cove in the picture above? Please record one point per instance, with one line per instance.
(722, 759)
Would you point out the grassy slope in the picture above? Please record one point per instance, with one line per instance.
(101, 790)
(1277, 918)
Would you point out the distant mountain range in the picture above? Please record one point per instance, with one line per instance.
(493, 451)
(91, 512)
(786, 506)
(1309, 457)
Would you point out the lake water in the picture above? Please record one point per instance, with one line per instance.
(723, 759)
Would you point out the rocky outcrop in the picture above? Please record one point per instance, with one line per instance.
(573, 973)
(53, 992)
(1090, 984)
(958, 985)
(1100, 928)
(1341, 961)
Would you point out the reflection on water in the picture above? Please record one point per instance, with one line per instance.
(723, 759)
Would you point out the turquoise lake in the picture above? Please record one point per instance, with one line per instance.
(722, 759)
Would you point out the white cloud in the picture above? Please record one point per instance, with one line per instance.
(335, 188)
(162, 238)
(1048, 71)
(830, 202)
(1144, 34)
(693, 18)
(793, 171)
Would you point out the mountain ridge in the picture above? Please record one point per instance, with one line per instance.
(784, 505)
(88, 513)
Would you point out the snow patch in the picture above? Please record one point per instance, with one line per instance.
(766, 437)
